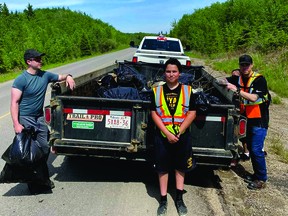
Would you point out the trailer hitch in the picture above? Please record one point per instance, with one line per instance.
(133, 146)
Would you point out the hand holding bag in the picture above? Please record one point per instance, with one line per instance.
(25, 149)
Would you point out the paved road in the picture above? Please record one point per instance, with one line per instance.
(90, 186)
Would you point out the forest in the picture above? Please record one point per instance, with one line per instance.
(60, 32)
(220, 31)
(260, 25)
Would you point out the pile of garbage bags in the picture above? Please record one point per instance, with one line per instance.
(127, 83)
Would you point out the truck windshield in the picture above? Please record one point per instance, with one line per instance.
(166, 45)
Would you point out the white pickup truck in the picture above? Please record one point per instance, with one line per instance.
(158, 49)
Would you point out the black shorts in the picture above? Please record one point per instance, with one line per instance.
(177, 156)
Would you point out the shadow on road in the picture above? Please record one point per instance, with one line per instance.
(89, 169)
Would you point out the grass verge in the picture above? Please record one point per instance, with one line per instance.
(278, 148)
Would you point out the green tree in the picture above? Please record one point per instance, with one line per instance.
(29, 12)
(235, 25)
(4, 11)
(59, 32)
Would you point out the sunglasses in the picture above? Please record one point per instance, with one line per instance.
(36, 59)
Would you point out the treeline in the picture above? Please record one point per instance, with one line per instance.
(258, 25)
(61, 33)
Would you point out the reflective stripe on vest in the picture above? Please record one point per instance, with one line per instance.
(181, 108)
(252, 109)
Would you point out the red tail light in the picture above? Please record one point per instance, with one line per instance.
(135, 59)
(48, 115)
(242, 127)
(188, 63)
(161, 37)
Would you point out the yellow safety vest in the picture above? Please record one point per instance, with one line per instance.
(172, 123)
(252, 109)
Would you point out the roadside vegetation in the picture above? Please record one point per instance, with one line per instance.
(278, 147)
(235, 25)
(62, 34)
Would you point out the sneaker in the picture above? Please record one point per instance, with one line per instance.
(256, 185)
(249, 178)
(181, 208)
(162, 209)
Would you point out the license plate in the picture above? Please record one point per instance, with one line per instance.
(120, 122)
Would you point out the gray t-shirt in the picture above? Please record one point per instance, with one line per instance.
(33, 89)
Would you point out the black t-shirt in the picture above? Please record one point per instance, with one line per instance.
(260, 88)
(172, 97)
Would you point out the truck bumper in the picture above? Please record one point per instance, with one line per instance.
(215, 157)
(203, 156)
(120, 150)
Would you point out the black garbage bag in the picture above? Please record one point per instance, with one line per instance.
(122, 93)
(25, 149)
(204, 99)
(129, 77)
(14, 173)
(100, 92)
(186, 78)
(108, 81)
(214, 100)
(146, 95)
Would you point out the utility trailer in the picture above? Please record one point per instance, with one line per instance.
(84, 123)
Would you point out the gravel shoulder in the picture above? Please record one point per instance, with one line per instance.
(234, 196)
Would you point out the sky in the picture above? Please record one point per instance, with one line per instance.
(128, 16)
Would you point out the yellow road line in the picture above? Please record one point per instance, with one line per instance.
(5, 115)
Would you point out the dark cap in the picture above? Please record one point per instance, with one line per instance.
(245, 59)
(32, 53)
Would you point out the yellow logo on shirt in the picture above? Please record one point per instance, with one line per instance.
(189, 162)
